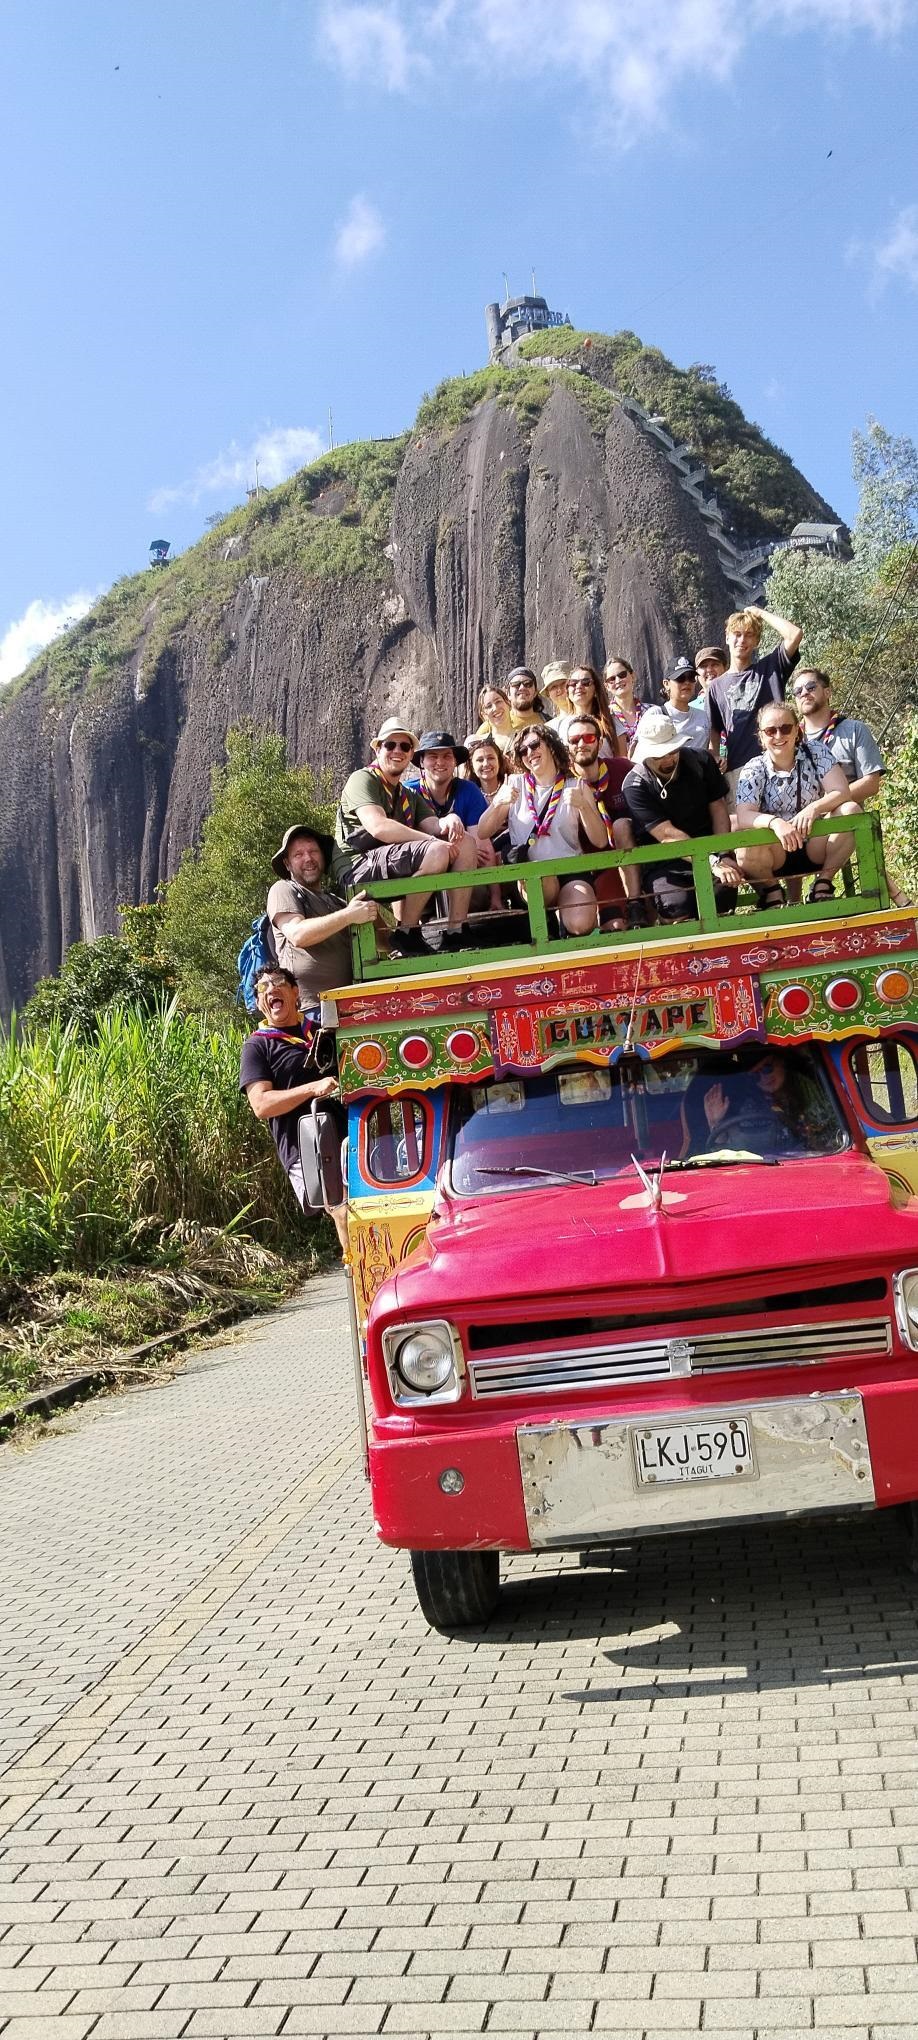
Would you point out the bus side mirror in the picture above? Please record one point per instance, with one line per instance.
(320, 1138)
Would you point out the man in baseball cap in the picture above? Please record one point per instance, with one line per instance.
(310, 921)
(674, 795)
(387, 830)
(690, 718)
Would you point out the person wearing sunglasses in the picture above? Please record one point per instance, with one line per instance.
(789, 786)
(542, 806)
(626, 710)
(690, 717)
(387, 830)
(618, 892)
(851, 742)
(588, 697)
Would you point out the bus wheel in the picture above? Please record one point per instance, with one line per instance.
(456, 1588)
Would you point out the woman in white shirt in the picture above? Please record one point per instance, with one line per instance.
(542, 805)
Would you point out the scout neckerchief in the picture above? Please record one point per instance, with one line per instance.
(304, 1038)
(440, 807)
(544, 816)
(601, 792)
(629, 719)
(398, 795)
(828, 730)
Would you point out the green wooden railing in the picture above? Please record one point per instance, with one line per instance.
(869, 895)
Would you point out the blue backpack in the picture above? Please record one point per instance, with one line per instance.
(257, 951)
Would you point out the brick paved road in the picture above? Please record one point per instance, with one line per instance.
(245, 1791)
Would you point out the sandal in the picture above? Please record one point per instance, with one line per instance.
(821, 889)
(769, 896)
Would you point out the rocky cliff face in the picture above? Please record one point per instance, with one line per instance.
(563, 534)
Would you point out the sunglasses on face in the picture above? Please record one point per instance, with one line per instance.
(805, 687)
(779, 729)
(616, 677)
(394, 744)
(529, 750)
(587, 738)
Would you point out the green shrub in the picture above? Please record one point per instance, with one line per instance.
(111, 1141)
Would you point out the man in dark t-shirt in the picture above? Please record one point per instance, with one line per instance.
(283, 1066)
(674, 794)
(734, 699)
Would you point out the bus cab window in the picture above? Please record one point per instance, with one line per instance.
(886, 1076)
(396, 1138)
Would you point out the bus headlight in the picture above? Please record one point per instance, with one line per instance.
(424, 1362)
(905, 1296)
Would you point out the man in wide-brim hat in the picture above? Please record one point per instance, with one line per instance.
(675, 795)
(385, 829)
(310, 920)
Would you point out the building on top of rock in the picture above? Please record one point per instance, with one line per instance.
(832, 539)
(513, 321)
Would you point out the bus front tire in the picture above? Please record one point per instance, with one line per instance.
(456, 1588)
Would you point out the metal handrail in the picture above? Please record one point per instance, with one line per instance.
(871, 897)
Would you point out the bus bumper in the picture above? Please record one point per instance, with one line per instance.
(574, 1480)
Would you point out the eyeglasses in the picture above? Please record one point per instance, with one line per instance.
(778, 729)
(529, 750)
(585, 682)
(587, 738)
(619, 676)
(682, 680)
(393, 744)
(513, 686)
(805, 687)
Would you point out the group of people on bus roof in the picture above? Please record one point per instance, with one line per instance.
(558, 767)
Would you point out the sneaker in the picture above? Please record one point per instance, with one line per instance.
(455, 939)
(408, 942)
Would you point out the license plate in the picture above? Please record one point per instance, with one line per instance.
(684, 1452)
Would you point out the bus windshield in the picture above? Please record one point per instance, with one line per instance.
(586, 1123)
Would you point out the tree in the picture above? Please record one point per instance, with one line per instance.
(221, 886)
(885, 467)
(93, 977)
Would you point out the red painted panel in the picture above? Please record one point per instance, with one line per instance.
(892, 1430)
(411, 1511)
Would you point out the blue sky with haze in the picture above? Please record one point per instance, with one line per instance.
(222, 220)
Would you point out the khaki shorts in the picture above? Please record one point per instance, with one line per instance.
(388, 860)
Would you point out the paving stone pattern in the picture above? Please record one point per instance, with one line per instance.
(674, 1798)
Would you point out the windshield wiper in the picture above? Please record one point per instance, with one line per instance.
(553, 1175)
(721, 1158)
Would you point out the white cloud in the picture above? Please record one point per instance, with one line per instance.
(360, 234)
(35, 628)
(369, 41)
(279, 452)
(895, 259)
(632, 57)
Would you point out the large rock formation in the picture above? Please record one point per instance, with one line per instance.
(566, 533)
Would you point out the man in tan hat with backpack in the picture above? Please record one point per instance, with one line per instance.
(385, 829)
(310, 921)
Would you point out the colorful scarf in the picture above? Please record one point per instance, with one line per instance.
(599, 788)
(440, 808)
(398, 795)
(543, 819)
(629, 722)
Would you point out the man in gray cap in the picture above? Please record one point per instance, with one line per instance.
(311, 923)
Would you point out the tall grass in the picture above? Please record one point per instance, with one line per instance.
(110, 1143)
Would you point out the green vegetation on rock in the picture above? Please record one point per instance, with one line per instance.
(329, 522)
(757, 484)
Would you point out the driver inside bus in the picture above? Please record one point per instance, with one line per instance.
(761, 1108)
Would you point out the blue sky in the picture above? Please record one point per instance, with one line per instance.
(221, 221)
